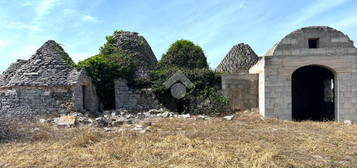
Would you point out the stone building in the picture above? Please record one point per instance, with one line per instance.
(237, 84)
(127, 97)
(138, 49)
(311, 74)
(46, 84)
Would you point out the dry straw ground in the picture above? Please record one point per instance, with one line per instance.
(247, 141)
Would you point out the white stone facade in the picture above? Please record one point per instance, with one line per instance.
(335, 52)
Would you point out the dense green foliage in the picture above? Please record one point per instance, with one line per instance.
(104, 68)
(184, 54)
(108, 48)
(204, 97)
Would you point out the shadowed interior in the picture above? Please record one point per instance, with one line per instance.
(313, 94)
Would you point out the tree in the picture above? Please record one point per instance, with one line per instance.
(184, 54)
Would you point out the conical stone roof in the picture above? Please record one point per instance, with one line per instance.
(49, 66)
(138, 48)
(239, 59)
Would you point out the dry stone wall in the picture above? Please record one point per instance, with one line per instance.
(46, 84)
(241, 89)
(134, 100)
(29, 102)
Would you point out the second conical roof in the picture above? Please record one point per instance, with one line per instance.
(239, 59)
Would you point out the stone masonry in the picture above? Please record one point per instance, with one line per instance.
(46, 84)
(318, 46)
(238, 60)
(237, 84)
(133, 99)
(138, 48)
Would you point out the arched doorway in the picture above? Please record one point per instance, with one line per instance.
(313, 94)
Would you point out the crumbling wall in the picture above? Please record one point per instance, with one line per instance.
(28, 102)
(241, 89)
(133, 100)
(86, 99)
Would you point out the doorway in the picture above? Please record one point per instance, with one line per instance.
(313, 94)
(84, 90)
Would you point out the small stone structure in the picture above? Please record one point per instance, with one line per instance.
(127, 97)
(237, 84)
(133, 99)
(46, 84)
(138, 48)
(311, 74)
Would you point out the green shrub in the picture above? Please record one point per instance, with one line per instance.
(109, 48)
(207, 101)
(184, 54)
(203, 98)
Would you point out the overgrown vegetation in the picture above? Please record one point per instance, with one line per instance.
(65, 56)
(183, 55)
(203, 98)
(111, 63)
(103, 69)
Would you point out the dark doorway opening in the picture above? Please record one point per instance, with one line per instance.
(313, 94)
(84, 90)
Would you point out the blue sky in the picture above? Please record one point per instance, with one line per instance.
(216, 25)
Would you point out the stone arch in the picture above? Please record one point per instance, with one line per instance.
(297, 42)
(314, 93)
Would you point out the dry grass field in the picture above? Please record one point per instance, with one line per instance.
(247, 141)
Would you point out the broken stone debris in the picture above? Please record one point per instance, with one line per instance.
(117, 118)
(228, 118)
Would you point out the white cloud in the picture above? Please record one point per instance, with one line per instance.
(2, 44)
(89, 18)
(28, 3)
(348, 22)
(315, 9)
(44, 8)
(205, 30)
(20, 25)
(242, 5)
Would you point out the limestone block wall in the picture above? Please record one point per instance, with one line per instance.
(277, 84)
(133, 100)
(261, 93)
(241, 89)
(85, 96)
(28, 102)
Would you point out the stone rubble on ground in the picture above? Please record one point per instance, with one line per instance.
(228, 118)
(185, 116)
(67, 121)
(167, 114)
(117, 118)
(348, 122)
(202, 117)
